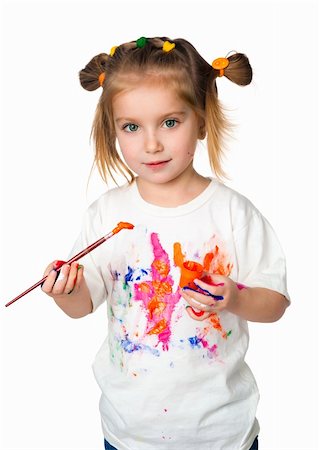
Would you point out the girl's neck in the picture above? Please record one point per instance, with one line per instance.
(175, 193)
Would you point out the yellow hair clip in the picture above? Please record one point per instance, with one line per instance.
(168, 46)
(220, 64)
(112, 51)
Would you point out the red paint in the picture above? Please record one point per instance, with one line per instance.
(209, 280)
(58, 264)
(197, 313)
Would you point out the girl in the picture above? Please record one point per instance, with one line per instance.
(200, 262)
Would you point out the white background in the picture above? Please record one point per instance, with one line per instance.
(49, 398)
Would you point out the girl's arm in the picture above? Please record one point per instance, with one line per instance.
(255, 304)
(69, 291)
(259, 305)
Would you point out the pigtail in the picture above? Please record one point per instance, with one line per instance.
(92, 76)
(239, 70)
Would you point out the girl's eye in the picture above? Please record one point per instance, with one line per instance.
(170, 123)
(130, 127)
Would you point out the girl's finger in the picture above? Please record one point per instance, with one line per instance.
(202, 298)
(48, 284)
(59, 286)
(48, 269)
(214, 291)
(79, 277)
(200, 306)
(74, 275)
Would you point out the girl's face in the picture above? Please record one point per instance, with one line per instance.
(157, 132)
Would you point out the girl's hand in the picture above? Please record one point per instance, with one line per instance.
(68, 281)
(201, 306)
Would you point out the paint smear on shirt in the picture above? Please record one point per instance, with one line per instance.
(213, 262)
(157, 295)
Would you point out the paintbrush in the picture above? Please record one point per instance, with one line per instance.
(120, 226)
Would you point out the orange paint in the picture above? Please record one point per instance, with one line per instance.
(207, 261)
(161, 267)
(190, 270)
(214, 262)
(156, 307)
(178, 255)
(122, 225)
(214, 320)
(159, 327)
(162, 288)
(144, 287)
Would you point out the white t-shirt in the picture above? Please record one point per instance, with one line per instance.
(168, 381)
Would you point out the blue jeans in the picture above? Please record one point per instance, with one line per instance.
(108, 446)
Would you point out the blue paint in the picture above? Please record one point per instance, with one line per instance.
(194, 341)
(115, 275)
(129, 275)
(143, 272)
(130, 347)
(134, 274)
(204, 291)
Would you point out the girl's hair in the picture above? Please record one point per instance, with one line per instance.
(181, 67)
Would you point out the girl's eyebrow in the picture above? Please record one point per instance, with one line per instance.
(173, 113)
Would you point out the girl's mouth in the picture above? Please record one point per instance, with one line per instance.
(157, 164)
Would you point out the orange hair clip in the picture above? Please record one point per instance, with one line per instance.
(220, 64)
(101, 78)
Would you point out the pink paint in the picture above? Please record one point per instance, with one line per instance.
(212, 350)
(201, 339)
(157, 295)
(241, 286)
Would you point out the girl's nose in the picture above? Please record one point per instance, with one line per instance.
(153, 143)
